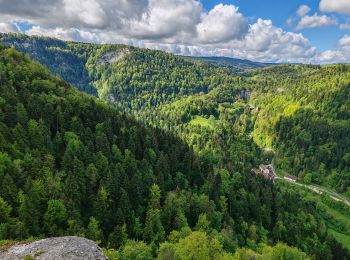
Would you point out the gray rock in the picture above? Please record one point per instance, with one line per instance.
(56, 248)
(113, 57)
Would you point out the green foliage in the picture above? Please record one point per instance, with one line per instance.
(76, 159)
(64, 59)
(93, 230)
(118, 237)
(202, 223)
(55, 218)
(280, 251)
(167, 251)
(304, 117)
(114, 178)
(4, 163)
(197, 245)
(342, 238)
(112, 254)
(5, 210)
(135, 250)
(154, 231)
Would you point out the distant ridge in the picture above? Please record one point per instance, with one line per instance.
(233, 63)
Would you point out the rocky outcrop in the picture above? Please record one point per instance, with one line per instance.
(56, 248)
(113, 57)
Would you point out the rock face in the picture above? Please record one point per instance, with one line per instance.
(56, 248)
(113, 57)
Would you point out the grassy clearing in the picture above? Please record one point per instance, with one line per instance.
(335, 218)
(335, 214)
(342, 238)
(203, 122)
(338, 224)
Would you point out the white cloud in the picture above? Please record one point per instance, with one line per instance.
(337, 6)
(263, 42)
(330, 56)
(266, 41)
(303, 10)
(339, 55)
(8, 27)
(178, 26)
(90, 12)
(71, 34)
(165, 19)
(32, 8)
(316, 21)
(345, 41)
(222, 24)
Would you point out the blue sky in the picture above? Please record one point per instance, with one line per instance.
(309, 31)
(280, 10)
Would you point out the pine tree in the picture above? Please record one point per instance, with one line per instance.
(101, 208)
(93, 230)
(32, 207)
(55, 218)
(154, 231)
(118, 237)
(5, 210)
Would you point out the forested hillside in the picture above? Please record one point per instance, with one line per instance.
(300, 112)
(146, 83)
(232, 63)
(59, 56)
(71, 164)
(305, 117)
(136, 78)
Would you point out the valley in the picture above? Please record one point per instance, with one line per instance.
(157, 153)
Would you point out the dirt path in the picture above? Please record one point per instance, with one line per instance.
(320, 190)
(315, 188)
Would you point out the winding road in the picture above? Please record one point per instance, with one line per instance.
(315, 188)
(320, 190)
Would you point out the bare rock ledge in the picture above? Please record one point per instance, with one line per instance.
(55, 248)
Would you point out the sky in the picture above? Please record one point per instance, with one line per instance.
(307, 31)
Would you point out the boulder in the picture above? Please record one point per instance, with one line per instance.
(55, 248)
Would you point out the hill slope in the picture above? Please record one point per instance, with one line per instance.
(60, 57)
(305, 118)
(233, 63)
(93, 159)
(92, 67)
(73, 165)
(171, 91)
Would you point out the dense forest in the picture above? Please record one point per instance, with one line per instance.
(173, 174)
(305, 118)
(232, 63)
(300, 112)
(54, 54)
